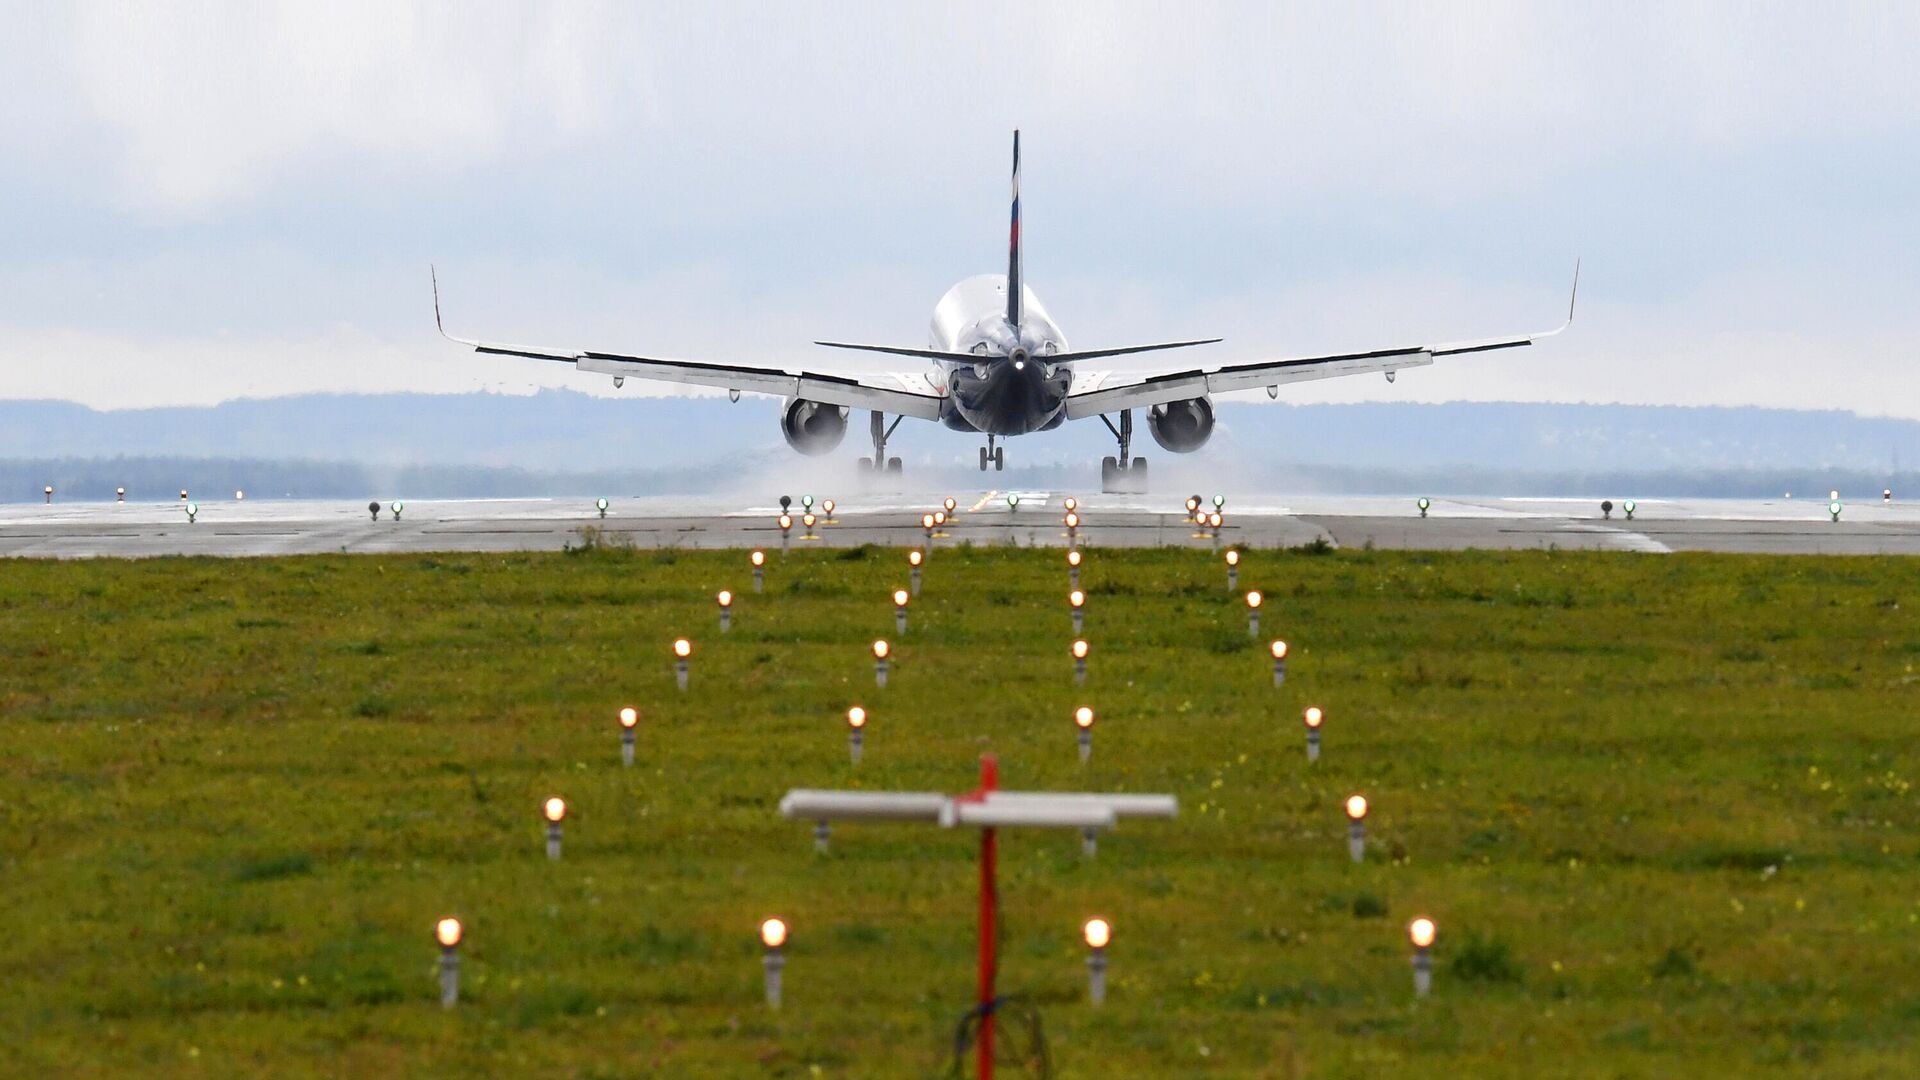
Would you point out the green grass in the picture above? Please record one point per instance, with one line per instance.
(1659, 806)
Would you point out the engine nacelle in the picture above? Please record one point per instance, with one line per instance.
(812, 427)
(1182, 426)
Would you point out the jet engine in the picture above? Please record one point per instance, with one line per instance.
(1181, 426)
(812, 427)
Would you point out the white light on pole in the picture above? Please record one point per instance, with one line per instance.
(881, 650)
(1071, 504)
(940, 518)
(49, 494)
(1073, 526)
(1279, 650)
(1097, 933)
(1253, 613)
(773, 941)
(1356, 808)
(856, 731)
(808, 520)
(1421, 932)
(759, 561)
(1073, 567)
(1233, 570)
(629, 721)
(926, 524)
(914, 559)
(1214, 521)
(1083, 720)
(448, 932)
(1080, 660)
(900, 598)
(725, 599)
(1077, 600)
(119, 494)
(948, 504)
(1312, 719)
(1193, 505)
(826, 505)
(786, 531)
(682, 650)
(1629, 506)
(555, 811)
(600, 504)
(396, 506)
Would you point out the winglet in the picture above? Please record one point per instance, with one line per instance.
(1572, 298)
(434, 276)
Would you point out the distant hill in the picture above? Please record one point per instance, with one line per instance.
(563, 442)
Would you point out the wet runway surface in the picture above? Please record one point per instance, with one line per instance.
(285, 527)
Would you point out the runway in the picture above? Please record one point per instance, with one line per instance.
(289, 527)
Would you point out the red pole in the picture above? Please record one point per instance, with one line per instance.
(989, 904)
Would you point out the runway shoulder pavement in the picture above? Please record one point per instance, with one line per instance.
(286, 527)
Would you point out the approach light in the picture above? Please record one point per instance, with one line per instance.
(1356, 825)
(1083, 717)
(758, 558)
(1193, 503)
(1253, 599)
(880, 650)
(1356, 807)
(725, 598)
(827, 505)
(1072, 504)
(808, 519)
(926, 522)
(1313, 718)
(1077, 599)
(1073, 520)
(856, 717)
(555, 809)
(773, 933)
(1214, 519)
(1080, 649)
(1073, 557)
(448, 932)
(949, 504)
(629, 716)
(682, 648)
(1420, 931)
(1233, 557)
(120, 494)
(900, 598)
(914, 557)
(786, 522)
(1279, 650)
(940, 518)
(1097, 933)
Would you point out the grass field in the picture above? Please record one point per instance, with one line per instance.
(1659, 805)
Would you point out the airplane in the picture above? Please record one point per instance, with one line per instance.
(998, 365)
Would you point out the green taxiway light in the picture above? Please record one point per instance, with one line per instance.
(1219, 501)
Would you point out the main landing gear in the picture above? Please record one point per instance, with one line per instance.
(995, 454)
(880, 462)
(1124, 475)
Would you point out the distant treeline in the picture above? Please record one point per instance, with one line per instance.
(151, 478)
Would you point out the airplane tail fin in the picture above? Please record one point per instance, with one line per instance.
(1016, 285)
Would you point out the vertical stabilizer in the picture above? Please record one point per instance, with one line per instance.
(1016, 284)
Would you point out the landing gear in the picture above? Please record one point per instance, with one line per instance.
(995, 454)
(1124, 474)
(880, 462)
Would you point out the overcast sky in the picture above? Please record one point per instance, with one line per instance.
(200, 202)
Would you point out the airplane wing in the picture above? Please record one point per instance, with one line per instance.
(1096, 392)
(917, 393)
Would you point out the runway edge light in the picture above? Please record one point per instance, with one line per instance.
(448, 931)
(1098, 934)
(629, 721)
(1421, 933)
(1356, 807)
(773, 943)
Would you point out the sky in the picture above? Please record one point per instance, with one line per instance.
(201, 202)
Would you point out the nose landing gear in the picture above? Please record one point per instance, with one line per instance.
(995, 454)
(1125, 474)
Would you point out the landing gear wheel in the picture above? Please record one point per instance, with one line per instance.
(893, 466)
(983, 459)
(999, 458)
(1137, 476)
(1109, 469)
(866, 463)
